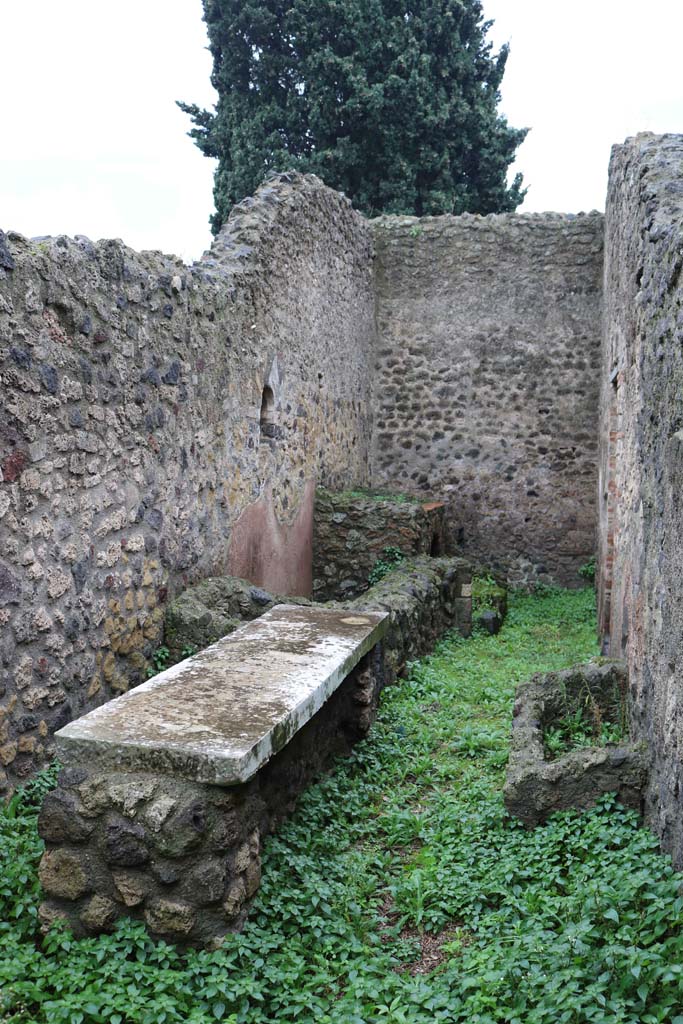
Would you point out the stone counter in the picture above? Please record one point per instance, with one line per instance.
(167, 792)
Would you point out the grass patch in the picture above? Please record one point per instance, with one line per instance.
(400, 892)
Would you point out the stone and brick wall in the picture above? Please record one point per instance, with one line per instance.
(641, 457)
(161, 423)
(487, 380)
(351, 531)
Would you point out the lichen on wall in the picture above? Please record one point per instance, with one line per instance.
(641, 456)
(486, 381)
(132, 442)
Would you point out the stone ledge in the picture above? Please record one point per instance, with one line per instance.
(424, 597)
(219, 716)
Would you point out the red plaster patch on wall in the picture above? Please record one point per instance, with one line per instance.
(274, 555)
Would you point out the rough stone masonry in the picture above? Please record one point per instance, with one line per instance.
(641, 457)
(161, 423)
(134, 459)
(487, 379)
(168, 791)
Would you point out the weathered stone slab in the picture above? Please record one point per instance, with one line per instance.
(219, 716)
(184, 857)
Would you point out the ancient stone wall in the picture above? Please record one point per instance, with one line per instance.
(641, 458)
(352, 532)
(161, 423)
(487, 380)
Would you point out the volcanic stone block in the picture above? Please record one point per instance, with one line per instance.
(536, 786)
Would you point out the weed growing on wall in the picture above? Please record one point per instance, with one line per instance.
(589, 719)
(161, 658)
(391, 557)
(400, 892)
(574, 732)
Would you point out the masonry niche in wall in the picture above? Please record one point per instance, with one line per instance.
(267, 418)
(271, 403)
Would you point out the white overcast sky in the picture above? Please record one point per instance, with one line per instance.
(93, 144)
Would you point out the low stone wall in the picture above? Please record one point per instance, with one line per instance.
(183, 857)
(212, 609)
(536, 786)
(351, 531)
(424, 597)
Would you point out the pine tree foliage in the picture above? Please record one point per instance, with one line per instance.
(393, 102)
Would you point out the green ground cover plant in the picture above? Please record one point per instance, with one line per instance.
(576, 731)
(400, 891)
(161, 659)
(486, 595)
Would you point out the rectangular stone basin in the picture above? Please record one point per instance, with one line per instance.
(220, 715)
(536, 787)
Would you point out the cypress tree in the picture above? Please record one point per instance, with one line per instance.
(393, 102)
